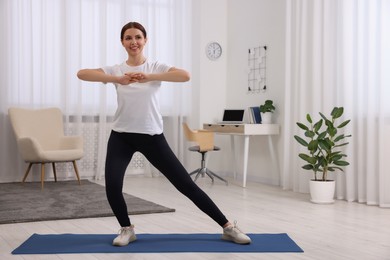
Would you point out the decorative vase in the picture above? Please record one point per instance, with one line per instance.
(322, 192)
(266, 118)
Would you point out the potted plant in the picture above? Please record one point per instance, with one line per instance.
(266, 111)
(323, 141)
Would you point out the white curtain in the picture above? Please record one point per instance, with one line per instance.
(45, 42)
(338, 55)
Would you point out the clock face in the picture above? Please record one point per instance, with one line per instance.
(213, 50)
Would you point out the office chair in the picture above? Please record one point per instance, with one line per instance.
(205, 141)
(40, 137)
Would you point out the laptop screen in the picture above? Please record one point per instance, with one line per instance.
(236, 115)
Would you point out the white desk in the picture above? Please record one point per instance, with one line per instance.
(246, 130)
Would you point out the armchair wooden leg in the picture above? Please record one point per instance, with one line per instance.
(54, 172)
(76, 171)
(42, 174)
(27, 172)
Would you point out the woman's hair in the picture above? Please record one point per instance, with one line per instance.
(132, 25)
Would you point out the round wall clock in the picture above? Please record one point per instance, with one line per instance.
(213, 50)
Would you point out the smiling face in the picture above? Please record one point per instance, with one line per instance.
(133, 41)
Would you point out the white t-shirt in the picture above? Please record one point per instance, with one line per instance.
(138, 104)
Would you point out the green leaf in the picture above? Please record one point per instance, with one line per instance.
(308, 118)
(329, 141)
(341, 154)
(313, 145)
(338, 138)
(339, 145)
(329, 123)
(333, 168)
(308, 158)
(301, 141)
(302, 126)
(337, 112)
(336, 157)
(308, 167)
(322, 135)
(344, 124)
(309, 134)
(333, 111)
(332, 131)
(324, 144)
(341, 163)
(321, 160)
(318, 125)
(324, 163)
(323, 116)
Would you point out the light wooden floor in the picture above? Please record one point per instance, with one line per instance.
(339, 231)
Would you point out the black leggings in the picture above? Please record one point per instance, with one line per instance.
(122, 146)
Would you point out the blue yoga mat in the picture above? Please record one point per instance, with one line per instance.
(153, 243)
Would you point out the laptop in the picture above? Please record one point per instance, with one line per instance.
(233, 116)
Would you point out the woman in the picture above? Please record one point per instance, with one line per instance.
(138, 127)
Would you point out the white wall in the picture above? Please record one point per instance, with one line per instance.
(209, 78)
(238, 25)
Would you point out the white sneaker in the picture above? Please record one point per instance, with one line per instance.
(126, 235)
(233, 233)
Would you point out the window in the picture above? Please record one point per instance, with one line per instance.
(47, 42)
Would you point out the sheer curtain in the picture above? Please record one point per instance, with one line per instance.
(338, 55)
(44, 44)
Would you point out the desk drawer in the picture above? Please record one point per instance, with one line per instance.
(240, 129)
(244, 129)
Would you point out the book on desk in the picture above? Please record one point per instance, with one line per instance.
(254, 115)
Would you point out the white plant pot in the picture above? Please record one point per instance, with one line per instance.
(266, 118)
(322, 192)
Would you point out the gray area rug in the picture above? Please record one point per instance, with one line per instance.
(63, 200)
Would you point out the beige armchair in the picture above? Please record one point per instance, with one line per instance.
(40, 139)
(205, 143)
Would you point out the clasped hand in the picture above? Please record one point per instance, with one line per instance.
(133, 77)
